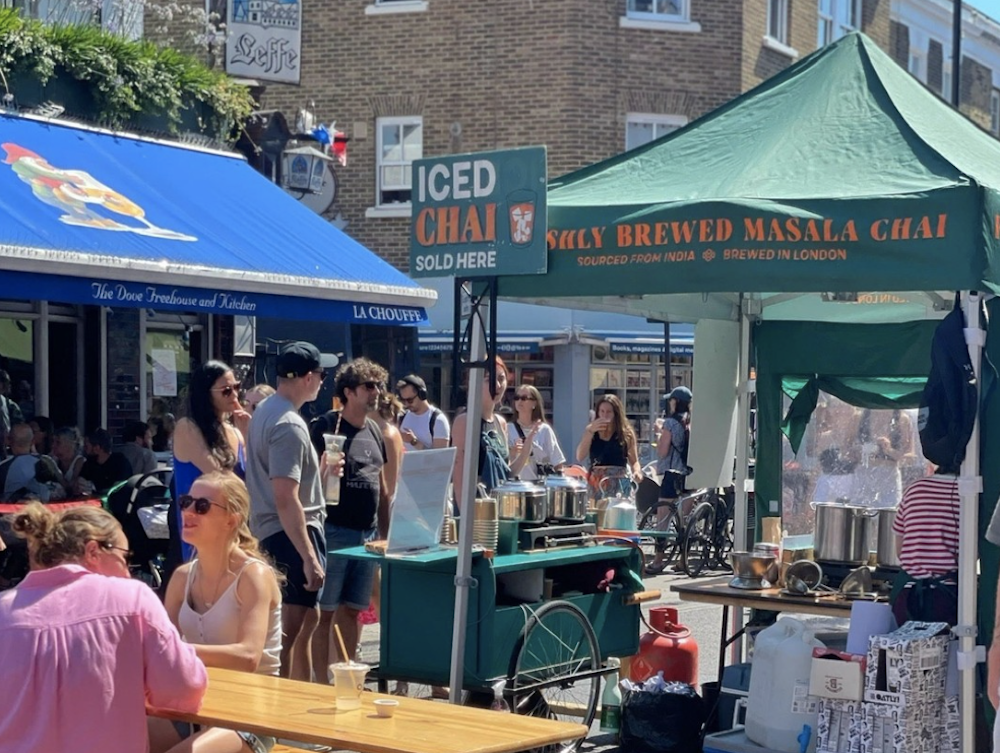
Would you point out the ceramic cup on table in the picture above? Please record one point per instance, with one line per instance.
(385, 707)
(348, 683)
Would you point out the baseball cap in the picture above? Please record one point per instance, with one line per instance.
(299, 358)
(681, 393)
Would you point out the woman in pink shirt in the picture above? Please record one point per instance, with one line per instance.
(84, 648)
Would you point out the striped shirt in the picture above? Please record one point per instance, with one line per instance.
(927, 522)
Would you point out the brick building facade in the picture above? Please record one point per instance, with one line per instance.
(575, 75)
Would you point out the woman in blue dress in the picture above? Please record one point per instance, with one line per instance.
(210, 437)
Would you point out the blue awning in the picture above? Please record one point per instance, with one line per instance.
(89, 216)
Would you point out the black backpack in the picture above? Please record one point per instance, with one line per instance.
(951, 396)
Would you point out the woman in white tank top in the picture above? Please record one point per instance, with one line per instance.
(227, 601)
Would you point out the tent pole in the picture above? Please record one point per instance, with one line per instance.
(467, 495)
(956, 52)
(970, 485)
(741, 508)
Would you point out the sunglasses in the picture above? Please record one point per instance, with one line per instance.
(228, 390)
(371, 386)
(408, 400)
(524, 397)
(201, 504)
(321, 373)
(127, 554)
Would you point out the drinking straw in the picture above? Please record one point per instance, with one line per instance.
(340, 641)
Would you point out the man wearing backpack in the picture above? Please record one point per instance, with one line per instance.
(423, 426)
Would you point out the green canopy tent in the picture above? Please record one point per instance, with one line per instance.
(839, 176)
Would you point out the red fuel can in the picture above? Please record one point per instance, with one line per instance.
(668, 647)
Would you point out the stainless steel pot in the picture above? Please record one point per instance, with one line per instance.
(885, 551)
(842, 532)
(522, 501)
(567, 498)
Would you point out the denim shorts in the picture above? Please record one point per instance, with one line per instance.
(348, 582)
(287, 560)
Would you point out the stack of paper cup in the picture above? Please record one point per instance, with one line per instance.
(485, 525)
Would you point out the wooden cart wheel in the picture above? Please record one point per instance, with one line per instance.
(554, 668)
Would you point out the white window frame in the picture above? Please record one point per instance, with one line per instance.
(995, 111)
(391, 209)
(653, 119)
(777, 21)
(917, 65)
(388, 7)
(637, 19)
(831, 22)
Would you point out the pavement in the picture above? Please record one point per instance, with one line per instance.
(704, 621)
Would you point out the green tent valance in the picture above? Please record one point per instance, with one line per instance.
(863, 392)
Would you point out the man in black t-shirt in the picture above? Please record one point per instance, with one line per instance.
(103, 468)
(362, 511)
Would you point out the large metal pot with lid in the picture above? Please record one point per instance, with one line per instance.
(842, 532)
(522, 501)
(885, 552)
(567, 498)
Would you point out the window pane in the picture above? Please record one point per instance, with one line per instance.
(413, 142)
(391, 149)
(392, 176)
(826, 7)
(662, 129)
(670, 7)
(774, 19)
(640, 6)
(637, 134)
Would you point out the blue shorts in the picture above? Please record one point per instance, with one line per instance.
(348, 582)
(287, 560)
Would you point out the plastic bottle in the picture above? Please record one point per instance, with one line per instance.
(611, 700)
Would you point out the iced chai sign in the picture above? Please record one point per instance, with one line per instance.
(479, 215)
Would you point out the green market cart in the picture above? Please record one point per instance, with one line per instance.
(549, 653)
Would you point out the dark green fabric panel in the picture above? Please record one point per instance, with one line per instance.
(989, 451)
(767, 474)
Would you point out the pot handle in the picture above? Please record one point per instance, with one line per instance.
(867, 512)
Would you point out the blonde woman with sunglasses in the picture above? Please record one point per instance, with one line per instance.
(226, 603)
(530, 428)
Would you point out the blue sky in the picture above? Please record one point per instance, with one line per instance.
(989, 7)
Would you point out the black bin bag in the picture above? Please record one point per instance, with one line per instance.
(668, 721)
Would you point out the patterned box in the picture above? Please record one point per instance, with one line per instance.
(890, 728)
(838, 729)
(908, 666)
(950, 740)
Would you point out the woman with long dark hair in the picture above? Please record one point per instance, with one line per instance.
(672, 462)
(530, 428)
(610, 446)
(207, 438)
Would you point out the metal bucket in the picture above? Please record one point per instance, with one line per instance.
(885, 551)
(842, 532)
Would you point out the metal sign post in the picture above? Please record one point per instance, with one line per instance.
(482, 362)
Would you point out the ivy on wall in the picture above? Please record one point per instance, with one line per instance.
(128, 82)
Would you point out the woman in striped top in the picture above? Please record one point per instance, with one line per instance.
(926, 528)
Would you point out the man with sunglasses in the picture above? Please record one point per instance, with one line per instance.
(287, 506)
(423, 426)
(362, 511)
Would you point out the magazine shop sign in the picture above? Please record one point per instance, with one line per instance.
(479, 215)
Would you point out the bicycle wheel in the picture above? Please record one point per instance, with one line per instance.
(699, 540)
(666, 544)
(553, 668)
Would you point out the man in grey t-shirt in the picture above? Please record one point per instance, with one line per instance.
(287, 508)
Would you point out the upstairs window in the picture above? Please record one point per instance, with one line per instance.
(777, 20)
(837, 18)
(641, 128)
(995, 112)
(659, 10)
(400, 141)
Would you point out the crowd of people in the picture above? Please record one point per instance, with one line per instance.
(251, 586)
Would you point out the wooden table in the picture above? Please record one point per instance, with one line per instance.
(718, 591)
(307, 712)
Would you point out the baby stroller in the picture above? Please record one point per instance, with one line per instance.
(142, 504)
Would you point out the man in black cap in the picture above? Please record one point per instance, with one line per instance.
(423, 426)
(287, 508)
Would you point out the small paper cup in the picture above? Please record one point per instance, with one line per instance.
(385, 707)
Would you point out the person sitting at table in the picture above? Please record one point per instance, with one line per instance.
(136, 440)
(226, 603)
(103, 468)
(42, 429)
(67, 451)
(18, 472)
(85, 648)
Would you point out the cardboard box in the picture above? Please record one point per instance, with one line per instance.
(890, 728)
(838, 729)
(951, 727)
(908, 666)
(837, 675)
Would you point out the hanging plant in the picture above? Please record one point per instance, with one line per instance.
(127, 81)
